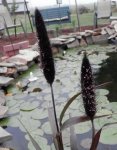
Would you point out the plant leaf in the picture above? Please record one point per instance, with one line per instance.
(75, 120)
(57, 137)
(103, 84)
(73, 139)
(97, 137)
(35, 144)
(67, 105)
(73, 98)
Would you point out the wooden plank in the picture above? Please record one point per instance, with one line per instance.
(4, 135)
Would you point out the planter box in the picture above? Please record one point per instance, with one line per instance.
(11, 50)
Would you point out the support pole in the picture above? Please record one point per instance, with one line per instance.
(28, 15)
(77, 14)
(60, 13)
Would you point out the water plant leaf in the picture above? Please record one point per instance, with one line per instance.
(13, 110)
(72, 99)
(109, 135)
(29, 106)
(73, 139)
(35, 144)
(39, 114)
(102, 92)
(86, 143)
(42, 142)
(11, 103)
(57, 138)
(97, 136)
(82, 127)
(46, 128)
(103, 84)
(75, 120)
(37, 132)
(67, 105)
(30, 124)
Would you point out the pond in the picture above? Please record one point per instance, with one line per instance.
(29, 112)
(108, 72)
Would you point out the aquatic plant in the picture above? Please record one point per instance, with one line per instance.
(47, 63)
(46, 57)
(87, 87)
(88, 90)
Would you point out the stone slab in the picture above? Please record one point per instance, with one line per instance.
(2, 98)
(100, 39)
(89, 39)
(3, 111)
(73, 44)
(17, 61)
(5, 64)
(3, 70)
(28, 54)
(5, 81)
(4, 135)
(110, 31)
(22, 68)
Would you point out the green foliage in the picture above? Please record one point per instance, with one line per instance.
(14, 7)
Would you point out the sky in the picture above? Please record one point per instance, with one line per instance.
(42, 3)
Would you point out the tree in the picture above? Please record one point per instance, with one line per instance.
(4, 2)
(14, 7)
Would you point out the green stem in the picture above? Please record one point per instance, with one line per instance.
(53, 101)
(59, 135)
(93, 129)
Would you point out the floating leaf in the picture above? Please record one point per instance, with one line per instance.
(83, 127)
(11, 103)
(35, 144)
(109, 135)
(29, 124)
(28, 106)
(13, 110)
(86, 143)
(102, 92)
(37, 132)
(46, 128)
(39, 114)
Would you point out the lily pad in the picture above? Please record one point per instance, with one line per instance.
(82, 127)
(11, 103)
(13, 110)
(40, 140)
(29, 124)
(109, 135)
(102, 92)
(39, 114)
(86, 143)
(46, 128)
(28, 106)
(37, 132)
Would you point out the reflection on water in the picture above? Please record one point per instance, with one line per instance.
(108, 72)
(18, 141)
